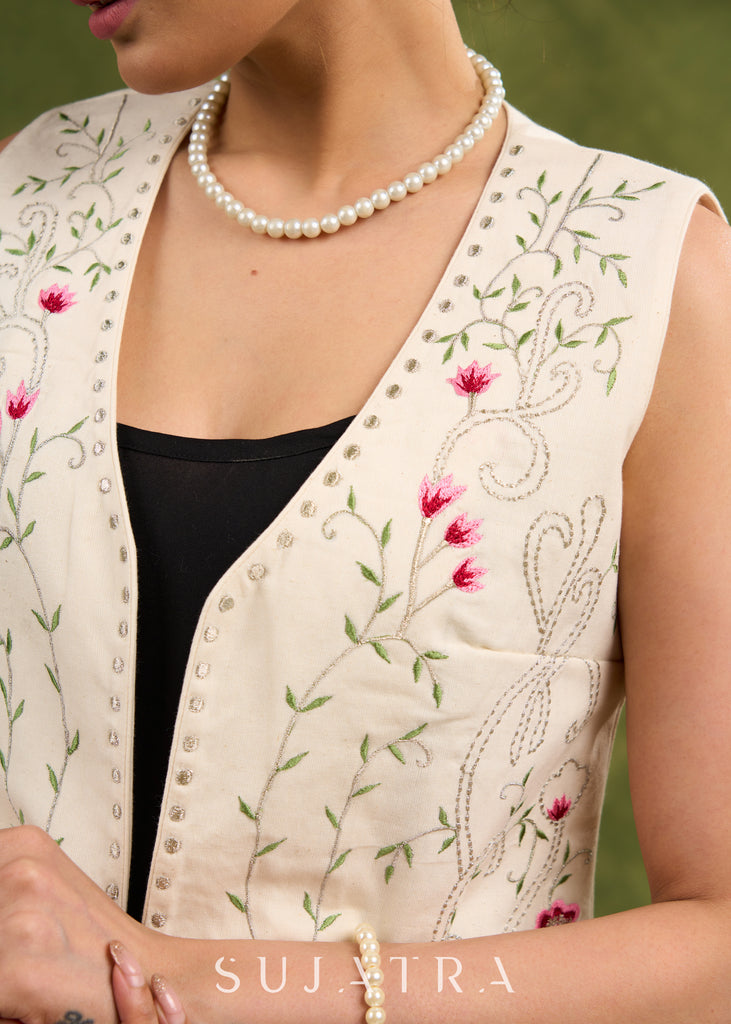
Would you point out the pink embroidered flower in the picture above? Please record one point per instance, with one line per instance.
(473, 380)
(559, 809)
(433, 498)
(462, 532)
(20, 404)
(56, 299)
(467, 576)
(558, 913)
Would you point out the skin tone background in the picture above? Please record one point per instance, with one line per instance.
(651, 78)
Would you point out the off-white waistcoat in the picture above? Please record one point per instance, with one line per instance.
(400, 700)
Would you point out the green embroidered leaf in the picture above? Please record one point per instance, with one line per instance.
(21, 817)
(32, 237)
(100, 137)
(380, 650)
(74, 744)
(521, 242)
(603, 264)
(534, 218)
(559, 331)
(396, 753)
(557, 267)
(52, 778)
(293, 761)
(542, 181)
(565, 854)
(541, 835)
(444, 340)
(291, 700)
(350, 631)
(573, 344)
(521, 833)
(236, 902)
(658, 184)
(18, 711)
(496, 345)
(446, 844)
(11, 502)
(388, 602)
(617, 320)
(307, 904)
(41, 620)
(388, 873)
(271, 846)
(585, 197)
(366, 789)
(519, 886)
(316, 703)
(617, 256)
(464, 338)
(515, 285)
(19, 189)
(245, 809)
(33, 442)
(434, 655)
(417, 669)
(364, 749)
(113, 174)
(517, 307)
(6, 543)
(53, 678)
(33, 476)
(612, 379)
(369, 574)
(409, 854)
(56, 618)
(476, 291)
(443, 819)
(577, 253)
(328, 921)
(351, 500)
(5, 692)
(386, 533)
(384, 851)
(60, 267)
(2, 761)
(524, 337)
(75, 233)
(98, 224)
(332, 819)
(620, 188)
(602, 337)
(338, 863)
(413, 734)
(8, 642)
(17, 252)
(629, 199)
(494, 295)
(448, 354)
(437, 694)
(622, 277)
(555, 199)
(148, 125)
(562, 880)
(95, 281)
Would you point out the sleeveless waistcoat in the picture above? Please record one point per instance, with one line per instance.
(400, 701)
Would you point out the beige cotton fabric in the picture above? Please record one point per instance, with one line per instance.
(370, 725)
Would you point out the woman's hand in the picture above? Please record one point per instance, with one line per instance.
(55, 928)
(138, 1003)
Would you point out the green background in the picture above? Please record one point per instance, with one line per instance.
(647, 77)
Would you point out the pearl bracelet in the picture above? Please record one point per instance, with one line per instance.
(370, 961)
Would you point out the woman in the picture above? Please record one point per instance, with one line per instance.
(399, 700)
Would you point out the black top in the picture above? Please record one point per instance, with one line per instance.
(195, 506)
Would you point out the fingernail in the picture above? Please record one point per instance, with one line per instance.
(127, 964)
(168, 1000)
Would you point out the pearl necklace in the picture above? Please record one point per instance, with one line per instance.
(207, 119)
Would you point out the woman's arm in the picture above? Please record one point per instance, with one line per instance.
(662, 964)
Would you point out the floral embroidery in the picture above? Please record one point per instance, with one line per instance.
(462, 532)
(467, 576)
(558, 913)
(56, 299)
(20, 404)
(434, 498)
(560, 808)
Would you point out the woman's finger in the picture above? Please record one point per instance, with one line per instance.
(167, 1001)
(135, 1004)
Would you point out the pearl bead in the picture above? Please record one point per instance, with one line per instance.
(330, 223)
(374, 997)
(428, 172)
(370, 960)
(369, 946)
(275, 227)
(364, 207)
(311, 228)
(213, 189)
(246, 217)
(380, 199)
(465, 141)
(347, 215)
(413, 182)
(234, 209)
(199, 169)
(206, 179)
(293, 229)
(476, 131)
(259, 224)
(455, 151)
(375, 977)
(397, 191)
(443, 163)
(364, 932)
(375, 1015)
(223, 199)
